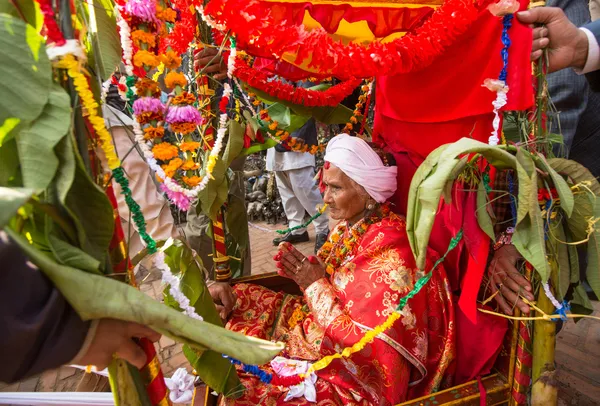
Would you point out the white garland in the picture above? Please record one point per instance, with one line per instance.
(222, 125)
(209, 21)
(173, 282)
(170, 183)
(231, 62)
(248, 102)
(550, 296)
(71, 46)
(105, 87)
(498, 86)
(126, 43)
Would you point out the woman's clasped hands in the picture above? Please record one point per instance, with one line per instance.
(293, 264)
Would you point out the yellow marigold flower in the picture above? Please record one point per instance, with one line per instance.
(192, 181)
(153, 132)
(189, 146)
(172, 166)
(146, 59)
(170, 59)
(165, 151)
(140, 37)
(175, 79)
(190, 165)
(273, 125)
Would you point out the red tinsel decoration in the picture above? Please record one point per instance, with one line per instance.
(286, 381)
(53, 33)
(184, 31)
(297, 95)
(223, 104)
(261, 34)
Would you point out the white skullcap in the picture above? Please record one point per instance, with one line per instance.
(361, 164)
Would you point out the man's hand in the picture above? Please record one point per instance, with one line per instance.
(224, 298)
(567, 45)
(210, 62)
(116, 337)
(505, 277)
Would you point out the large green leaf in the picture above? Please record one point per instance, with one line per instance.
(23, 8)
(106, 47)
(483, 217)
(564, 191)
(237, 221)
(575, 171)
(36, 143)
(581, 303)
(593, 248)
(235, 143)
(95, 297)
(529, 237)
(583, 210)
(564, 265)
(11, 199)
(25, 73)
(9, 164)
(212, 368)
(87, 205)
(68, 254)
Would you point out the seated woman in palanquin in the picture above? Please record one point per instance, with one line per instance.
(356, 282)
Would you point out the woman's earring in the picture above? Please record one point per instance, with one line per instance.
(370, 206)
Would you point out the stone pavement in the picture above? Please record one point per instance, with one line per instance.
(577, 352)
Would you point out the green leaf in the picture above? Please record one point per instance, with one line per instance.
(237, 221)
(107, 50)
(269, 143)
(95, 297)
(6, 128)
(11, 199)
(575, 171)
(583, 210)
(235, 143)
(9, 164)
(580, 304)
(25, 72)
(25, 8)
(564, 191)
(528, 237)
(87, 205)
(564, 265)
(593, 258)
(67, 254)
(36, 143)
(483, 217)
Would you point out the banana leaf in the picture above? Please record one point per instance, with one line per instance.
(11, 199)
(217, 372)
(95, 297)
(429, 182)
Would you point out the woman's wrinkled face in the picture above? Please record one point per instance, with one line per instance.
(346, 199)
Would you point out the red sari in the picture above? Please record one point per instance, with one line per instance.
(411, 359)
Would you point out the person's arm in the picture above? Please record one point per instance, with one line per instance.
(40, 330)
(592, 66)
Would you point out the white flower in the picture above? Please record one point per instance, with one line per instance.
(181, 386)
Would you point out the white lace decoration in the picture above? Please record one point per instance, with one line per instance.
(550, 296)
(501, 89)
(173, 282)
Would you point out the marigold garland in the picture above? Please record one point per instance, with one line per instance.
(170, 59)
(165, 151)
(146, 59)
(183, 98)
(189, 146)
(140, 37)
(151, 133)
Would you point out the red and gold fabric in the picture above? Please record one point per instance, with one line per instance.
(413, 358)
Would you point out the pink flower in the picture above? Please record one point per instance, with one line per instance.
(495, 85)
(184, 114)
(145, 10)
(147, 104)
(504, 7)
(179, 199)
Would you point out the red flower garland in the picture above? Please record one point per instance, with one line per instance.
(184, 31)
(53, 33)
(257, 31)
(297, 95)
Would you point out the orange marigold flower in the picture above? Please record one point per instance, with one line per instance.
(273, 125)
(189, 146)
(192, 181)
(172, 166)
(170, 59)
(140, 37)
(183, 128)
(353, 120)
(314, 149)
(147, 87)
(148, 117)
(153, 132)
(256, 102)
(285, 136)
(165, 151)
(292, 141)
(166, 14)
(348, 127)
(183, 98)
(146, 59)
(190, 165)
(175, 79)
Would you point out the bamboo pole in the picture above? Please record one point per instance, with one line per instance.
(544, 391)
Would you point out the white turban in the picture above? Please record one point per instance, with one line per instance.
(361, 164)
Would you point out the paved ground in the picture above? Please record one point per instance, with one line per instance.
(577, 353)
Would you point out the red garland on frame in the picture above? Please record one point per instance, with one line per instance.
(297, 95)
(258, 32)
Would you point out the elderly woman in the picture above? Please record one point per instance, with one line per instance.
(356, 282)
